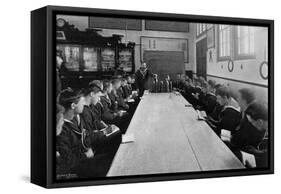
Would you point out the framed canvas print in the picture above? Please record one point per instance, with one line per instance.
(125, 96)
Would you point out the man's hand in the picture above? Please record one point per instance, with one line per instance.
(89, 153)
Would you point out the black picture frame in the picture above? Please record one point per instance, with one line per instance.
(43, 39)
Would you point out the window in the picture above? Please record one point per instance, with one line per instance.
(200, 29)
(245, 41)
(224, 41)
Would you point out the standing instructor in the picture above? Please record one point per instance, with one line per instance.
(142, 78)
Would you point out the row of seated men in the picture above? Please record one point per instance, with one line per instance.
(90, 124)
(242, 115)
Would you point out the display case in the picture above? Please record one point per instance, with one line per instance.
(70, 55)
(87, 55)
(108, 62)
(126, 59)
(90, 59)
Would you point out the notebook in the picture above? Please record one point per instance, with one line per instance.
(201, 115)
(248, 159)
(110, 130)
(128, 138)
(225, 135)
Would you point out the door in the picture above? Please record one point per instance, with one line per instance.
(201, 57)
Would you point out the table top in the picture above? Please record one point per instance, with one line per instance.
(168, 138)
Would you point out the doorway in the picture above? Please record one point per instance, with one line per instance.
(201, 58)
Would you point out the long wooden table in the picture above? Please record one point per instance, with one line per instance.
(168, 139)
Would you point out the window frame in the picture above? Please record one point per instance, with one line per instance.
(224, 58)
(238, 56)
(200, 29)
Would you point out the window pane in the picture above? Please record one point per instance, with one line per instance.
(204, 27)
(245, 40)
(224, 38)
(252, 44)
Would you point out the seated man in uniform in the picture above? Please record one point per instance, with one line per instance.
(188, 89)
(155, 84)
(253, 137)
(201, 96)
(245, 97)
(177, 83)
(214, 115)
(117, 95)
(60, 168)
(230, 115)
(109, 114)
(167, 84)
(77, 158)
(97, 108)
(103, 138)
(133, 82)
(127, 90)
(211, 99)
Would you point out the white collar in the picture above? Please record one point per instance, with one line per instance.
(238, 109)
(211, 93)
(66, 120)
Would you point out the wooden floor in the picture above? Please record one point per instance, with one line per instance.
(170, 139)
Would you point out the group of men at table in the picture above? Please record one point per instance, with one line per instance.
(90, 121)
(239, 118)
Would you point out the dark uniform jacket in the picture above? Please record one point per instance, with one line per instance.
(210, 103)
(167, 86)
(97, 110)
(127, 91)
(216, 112)
(93, 125)
(107, 112)
(187, 94)
(246, 135)
(71, 144)
(156, 86)
(120, 100)
(113, 100)
(229, 119)
(177, 84)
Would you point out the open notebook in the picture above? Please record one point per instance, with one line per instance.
(128, 138)
(201, 115)
(110, 130)
(225, 135)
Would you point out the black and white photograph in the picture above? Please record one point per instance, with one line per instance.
(138, 96)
